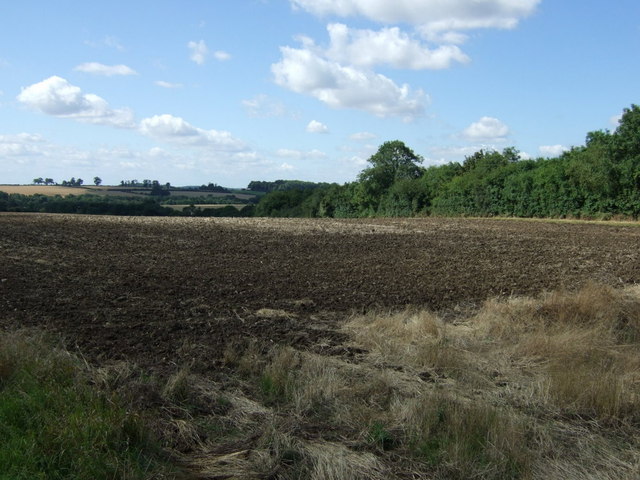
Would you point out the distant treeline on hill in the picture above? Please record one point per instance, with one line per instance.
(598, 180)
(283, 185)
(105, 205)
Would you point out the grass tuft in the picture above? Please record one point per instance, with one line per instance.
(54, 424)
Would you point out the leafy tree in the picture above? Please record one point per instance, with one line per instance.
(627, 135)
(97, 181)
(156, 189)
(392, 162)
(49, 181)
(38, 181)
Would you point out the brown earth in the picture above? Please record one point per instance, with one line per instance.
(165, 292)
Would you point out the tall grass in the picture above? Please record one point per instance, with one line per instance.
(581, 348)
(55, 425)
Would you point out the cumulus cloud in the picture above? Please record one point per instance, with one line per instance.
(175, 129)
(20, 145)
(362, 136)
(108, 41)
(106, 70)
(305, 71)
(285, 167)
(163, 84)
(199, 51)
(433, 15)
(552, 150)
(343, 75)
(300, 154)
(389, 46)
(487, 128)
(317, 127)
(56, 96)
(263, 106)
(221, 55)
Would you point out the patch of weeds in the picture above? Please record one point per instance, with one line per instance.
(380, 437)
(216, 428)
(463, 440)
(274, 389)
(277, 379)
(53, 424)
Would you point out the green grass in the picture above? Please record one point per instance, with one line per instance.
(55, 425)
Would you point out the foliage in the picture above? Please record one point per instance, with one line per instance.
(290, 203)
(73, 182)
(53, 424)
(282, 185)
(598, 180)
(213, 187)
(393, 162)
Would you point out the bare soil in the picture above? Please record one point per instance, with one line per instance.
(165, 292)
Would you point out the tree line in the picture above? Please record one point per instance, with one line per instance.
(111, 205)
(283, 185)
(598, 180)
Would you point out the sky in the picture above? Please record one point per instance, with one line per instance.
(229, 91)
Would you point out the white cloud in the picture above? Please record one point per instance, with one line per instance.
(433, 15)
(286, 167)
(21, 144)
(487, 128)
(199, 51)
(108, 41)
(300, 154)
(389, 46)
(305, 71)
(263, 106)
(553, 150)
(317, 127)
(175, 129)
(113, 42)
(107, 70)
(56, 96)
(163, 84)
(221, 55)
(362, 136)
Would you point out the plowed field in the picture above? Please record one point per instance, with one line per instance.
(165, 291)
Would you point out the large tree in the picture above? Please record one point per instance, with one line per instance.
(392, 162)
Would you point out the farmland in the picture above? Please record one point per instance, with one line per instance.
(233, 306)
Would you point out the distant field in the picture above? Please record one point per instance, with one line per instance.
(110, 191)
(45, 190)
(206, 205)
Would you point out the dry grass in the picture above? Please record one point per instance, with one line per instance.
(581, 349)
(524, 388)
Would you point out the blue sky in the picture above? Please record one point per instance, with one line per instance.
(199, 91)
